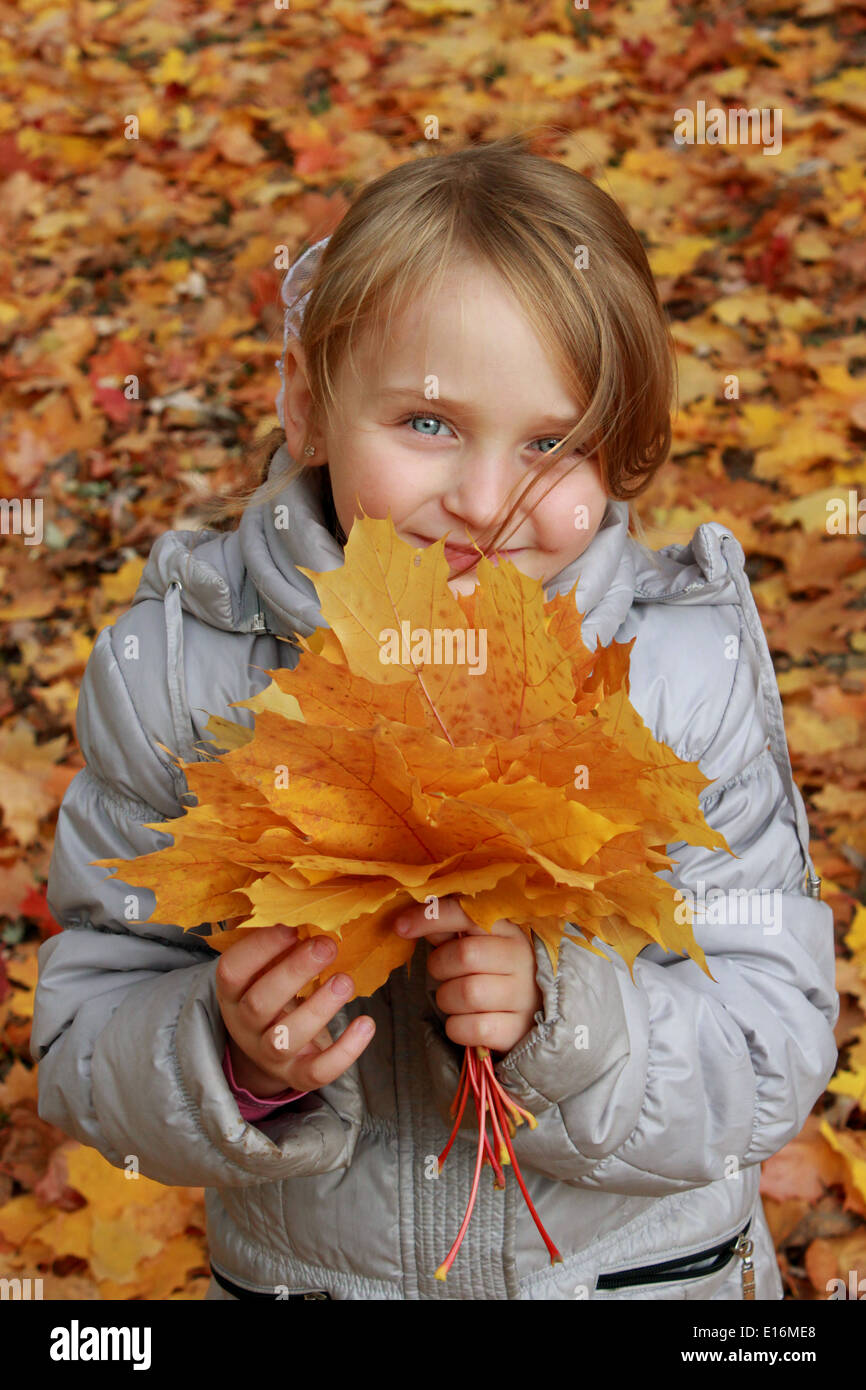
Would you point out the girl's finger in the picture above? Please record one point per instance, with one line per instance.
(481, 1030)
(494, 956)
(295, 1030)
(412, 923)
(482, 994)
(321, 1070)
(451, 918)
(246, 960)
(268, 996)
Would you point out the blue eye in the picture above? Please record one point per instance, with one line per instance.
(551, 439)
(435, 418)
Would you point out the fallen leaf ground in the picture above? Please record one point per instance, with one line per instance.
(153, 156)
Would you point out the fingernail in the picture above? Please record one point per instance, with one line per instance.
(403, 928)
(341, 984)
(323, 948)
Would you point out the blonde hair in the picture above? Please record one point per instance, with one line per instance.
(525, 215)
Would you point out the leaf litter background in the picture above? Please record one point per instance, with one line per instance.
(155, 257)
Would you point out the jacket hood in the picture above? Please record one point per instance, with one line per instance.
(227, 579)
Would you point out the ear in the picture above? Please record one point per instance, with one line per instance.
(297, 407)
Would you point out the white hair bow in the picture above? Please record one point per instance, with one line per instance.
(295, 301)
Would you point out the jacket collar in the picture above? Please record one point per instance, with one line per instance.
(275, 538)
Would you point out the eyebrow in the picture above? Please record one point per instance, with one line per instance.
(562, 422)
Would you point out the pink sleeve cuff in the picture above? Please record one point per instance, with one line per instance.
(255, 1107)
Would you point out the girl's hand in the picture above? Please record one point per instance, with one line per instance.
(490, 990)
(256, 983)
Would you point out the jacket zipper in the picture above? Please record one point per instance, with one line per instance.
(743, 1249)
(240, 1292)
(668, 1271)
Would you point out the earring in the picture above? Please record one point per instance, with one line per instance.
(310, 449)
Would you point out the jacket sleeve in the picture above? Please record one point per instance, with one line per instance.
(677, 1080)
(252, 1107)
(127, 1029)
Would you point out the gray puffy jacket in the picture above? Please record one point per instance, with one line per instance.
(649, 1143)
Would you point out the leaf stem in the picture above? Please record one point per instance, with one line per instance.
(475, 1072)
(442, 1271)
(555, 1257)
(464, 1088)
(477, 1075)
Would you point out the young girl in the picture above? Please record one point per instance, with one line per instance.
(472, 312)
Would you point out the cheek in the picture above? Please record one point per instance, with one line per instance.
(569, 527)
(380, 484)
(582, 515)
(355, 484)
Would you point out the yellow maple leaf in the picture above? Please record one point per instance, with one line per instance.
(426, 745)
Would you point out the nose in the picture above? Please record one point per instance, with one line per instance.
(479, 494)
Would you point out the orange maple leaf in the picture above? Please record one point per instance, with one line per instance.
(427, 745)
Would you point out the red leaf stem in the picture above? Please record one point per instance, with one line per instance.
(555, 1257)
(478, 1075)
(442, 1271)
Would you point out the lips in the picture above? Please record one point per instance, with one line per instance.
(460, 557)
(459, 554)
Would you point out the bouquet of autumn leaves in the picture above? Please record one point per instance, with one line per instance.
(385, 770)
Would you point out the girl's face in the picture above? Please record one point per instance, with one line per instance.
(444, 459)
